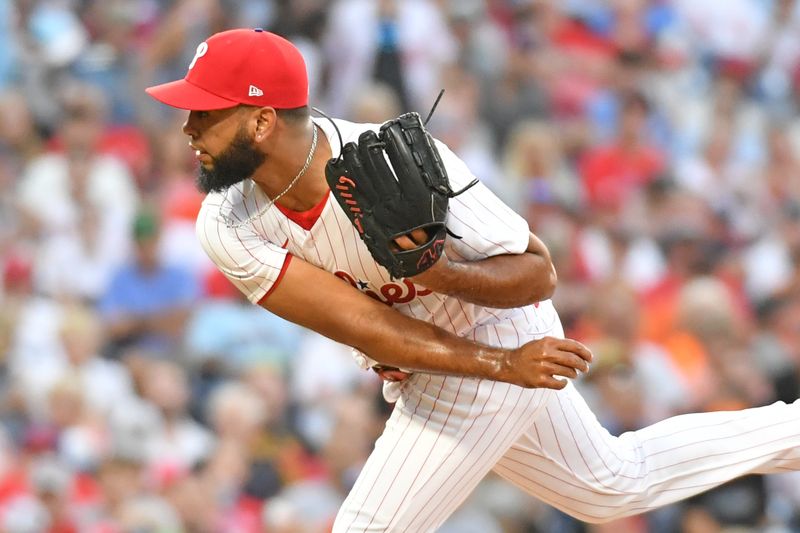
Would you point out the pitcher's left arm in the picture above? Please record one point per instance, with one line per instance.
(500, 281)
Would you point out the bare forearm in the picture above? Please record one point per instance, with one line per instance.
(306, 296)
(501, 281)
(376, 329)
(400, 341)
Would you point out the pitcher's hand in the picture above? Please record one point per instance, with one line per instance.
(544, 363)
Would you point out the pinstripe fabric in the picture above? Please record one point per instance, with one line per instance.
(569, 461)
(446, 433)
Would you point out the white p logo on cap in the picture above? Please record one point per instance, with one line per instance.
(202, 48)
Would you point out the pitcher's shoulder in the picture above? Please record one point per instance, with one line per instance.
(230, 206)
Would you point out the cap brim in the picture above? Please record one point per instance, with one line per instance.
(184, 95)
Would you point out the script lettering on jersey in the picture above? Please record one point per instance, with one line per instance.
(389, 293)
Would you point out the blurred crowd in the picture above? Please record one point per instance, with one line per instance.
(654, 145)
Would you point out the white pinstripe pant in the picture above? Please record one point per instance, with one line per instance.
(446, 433)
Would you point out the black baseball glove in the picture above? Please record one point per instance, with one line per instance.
(386, 200)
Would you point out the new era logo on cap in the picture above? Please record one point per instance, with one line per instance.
(255, 91)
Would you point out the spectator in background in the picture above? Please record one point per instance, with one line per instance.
(79, 436)
(76, 384)
(402, 43)
(76, 263)
(614, 174)
(12, 233)
(537, 174)
(180, 443)
(483, 47)
(50, 35)
(20, 141)
(58, 488)
(273, 457)
(457, 123)
(708, 317)
(738, 33)
(8, 45)
(776, 345)
(521, 89)
(684, 247)
(770, 263)
(127, 504)
(375, 103)
(106, 384)
(109, 60)
(781, 171)
(227, 331)
(194, 500)
(739, 505)
(77, 175)
(319, 376)
(311, 504)
(721, 179)
(69, 196)
(32, 322)
(148, 302)
(634, 382)
(120, 478)
(696, 116)
(225, 478)
(237, 415)
(782, 57)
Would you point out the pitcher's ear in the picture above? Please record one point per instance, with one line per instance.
(263, 122)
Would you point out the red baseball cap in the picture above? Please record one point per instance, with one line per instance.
(242, 66)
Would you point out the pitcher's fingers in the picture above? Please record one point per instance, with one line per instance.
(412, 240)
(565, 358)
(419, 236)
(552, 383)
(571, 360)
(561, 370)
(569, 345)
(405, 243)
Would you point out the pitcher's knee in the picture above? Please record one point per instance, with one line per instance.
(603, 507)
(595, 512)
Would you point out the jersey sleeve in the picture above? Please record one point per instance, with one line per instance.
(486, 225)
(253, 264)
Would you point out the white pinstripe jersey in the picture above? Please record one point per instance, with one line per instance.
(250, 247)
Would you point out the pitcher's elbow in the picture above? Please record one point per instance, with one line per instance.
(544, 289)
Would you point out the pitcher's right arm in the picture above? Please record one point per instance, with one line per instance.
(338, 311)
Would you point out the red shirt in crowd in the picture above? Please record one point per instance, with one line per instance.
(611, 173)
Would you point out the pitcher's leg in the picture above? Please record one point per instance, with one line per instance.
(568, 460)
(442, 438)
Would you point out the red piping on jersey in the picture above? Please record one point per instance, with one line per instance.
(278, 280)
(305, 219)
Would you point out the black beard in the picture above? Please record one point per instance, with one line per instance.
(235, 164)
